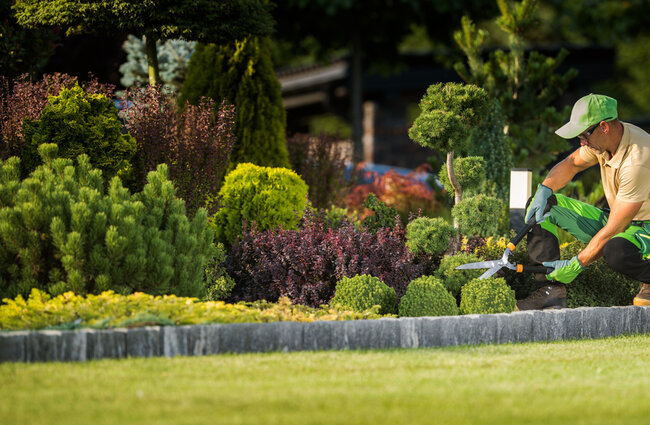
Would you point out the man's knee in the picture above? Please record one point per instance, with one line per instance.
(616, 251)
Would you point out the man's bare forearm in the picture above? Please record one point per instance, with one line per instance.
(560, 175)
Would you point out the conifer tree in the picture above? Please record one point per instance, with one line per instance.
(525, 84)
(241, 73)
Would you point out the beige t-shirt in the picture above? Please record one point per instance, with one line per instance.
(626, 175)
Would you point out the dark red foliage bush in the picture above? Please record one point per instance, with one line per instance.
(321, 164)
(195, 142)
(24, 99)
(305, 264)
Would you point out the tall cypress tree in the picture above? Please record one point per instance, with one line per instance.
(242, 74)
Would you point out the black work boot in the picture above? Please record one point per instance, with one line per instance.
(550, 296)
(643, 297)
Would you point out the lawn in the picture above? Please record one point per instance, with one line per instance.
(584, 382)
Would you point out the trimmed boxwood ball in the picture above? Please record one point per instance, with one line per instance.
(487, 296)
(426, 296)
(453, 280)
(361, 292)
(429, 235)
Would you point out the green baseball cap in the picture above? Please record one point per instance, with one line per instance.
(588, 111)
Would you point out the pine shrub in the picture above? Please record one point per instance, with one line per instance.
(80, 123)
(429, 236)
(362, 292)
(195, 142)
(453, 280)
(470, 172)
(426, 296)
(487, 296)
(241, 73)
(270, 197)
(62, 230)
(598, 285)
(306, 263)
(218, 284)
(384, 215)
(478, 215)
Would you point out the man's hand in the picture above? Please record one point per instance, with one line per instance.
(565, 270)
(538, 204)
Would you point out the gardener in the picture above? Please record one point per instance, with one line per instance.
(620, 235)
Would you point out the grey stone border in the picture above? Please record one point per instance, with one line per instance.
(199, 340)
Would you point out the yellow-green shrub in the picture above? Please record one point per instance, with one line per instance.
(426, 296)
(362, 292)
(109, 310)
(487, 296)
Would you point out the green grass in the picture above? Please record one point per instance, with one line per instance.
(585, 382)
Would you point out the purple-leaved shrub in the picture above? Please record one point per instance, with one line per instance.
(194, 141)
(305, 264)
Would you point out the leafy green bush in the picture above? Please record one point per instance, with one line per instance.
(361, 292)
(111, 310)
(426, 296)
(470, 172)
(384, 215)
(218, 283)
(429, 235)
(487, 296)
(598, 285)
(270, 197)
(62, 230)
(453, 280)
(79, 122)
(478, 215)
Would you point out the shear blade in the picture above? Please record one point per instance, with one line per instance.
(481, 265)
(489, 273)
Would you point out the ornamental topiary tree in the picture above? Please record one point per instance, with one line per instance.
(241, 73)
(269, 197)
(478, 215)
(470, 172)
(426, 296)
(487, 296)
(448, 114)
(62, 230)
(362, 292)
(219, 21)
(80, 123)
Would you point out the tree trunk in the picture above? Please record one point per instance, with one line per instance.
(356, 83)
(458, 190)
(152, 60)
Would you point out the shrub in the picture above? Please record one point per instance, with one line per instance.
(453, 280)
(384, 216)
(25, 100)
(362, 292)
(305, 264)
(270, 197)
(426, 296)
(111, 310)
(470, 172)
(218, 284)
(62, 230)
(429, 235)
(487, 296)
(478, 215)
(80, 123)
(195, 142)
(404, 193)
(321, 164)
(242, 73)
(598, 285)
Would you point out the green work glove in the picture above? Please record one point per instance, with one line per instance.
(538, 204)
(565, 270)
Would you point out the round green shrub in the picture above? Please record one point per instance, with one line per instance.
(426, 296)
(218, 283)
(487, 296)
(268, 196)
(81, 123)
(361, 292)
(478, 215)
(429, 235)
(470, 172)
(453, 280)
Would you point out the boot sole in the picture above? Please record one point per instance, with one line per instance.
(641, 301)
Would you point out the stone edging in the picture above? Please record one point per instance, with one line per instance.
(527, 326)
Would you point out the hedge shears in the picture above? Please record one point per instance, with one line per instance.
(496, 265)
